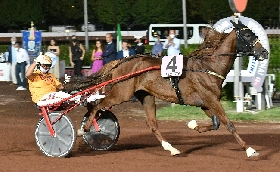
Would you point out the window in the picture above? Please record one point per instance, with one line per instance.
(200, 31)
(164, 32)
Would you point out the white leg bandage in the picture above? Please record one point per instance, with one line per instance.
(167, 146)
(80, 132)
(192, 124)
(251, 152)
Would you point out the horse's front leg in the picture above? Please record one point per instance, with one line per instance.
(150, 109)
(217, 109)
(214, 126)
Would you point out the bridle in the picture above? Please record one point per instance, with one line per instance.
(245, 46)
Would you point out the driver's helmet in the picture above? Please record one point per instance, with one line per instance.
(46, 60)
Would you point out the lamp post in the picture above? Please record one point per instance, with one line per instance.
(238, 6)
(86, 25)
(185, 23)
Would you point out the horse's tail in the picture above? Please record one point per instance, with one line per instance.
(103, 75)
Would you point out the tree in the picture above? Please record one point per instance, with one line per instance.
(64, 12)
(266, 12)
(137, 14)
(157, 11)
(112, 12)
(18, 14)
(212, 11)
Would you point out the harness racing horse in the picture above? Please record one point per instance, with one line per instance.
(200, 84)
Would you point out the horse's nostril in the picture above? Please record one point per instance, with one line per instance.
(264, 51)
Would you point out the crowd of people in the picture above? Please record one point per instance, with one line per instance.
(102, 54)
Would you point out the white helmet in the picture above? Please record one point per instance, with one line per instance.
(46, 60)
(43, 59)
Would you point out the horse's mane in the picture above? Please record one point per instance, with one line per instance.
(212, 40)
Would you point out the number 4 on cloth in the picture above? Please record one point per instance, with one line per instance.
(172, 66)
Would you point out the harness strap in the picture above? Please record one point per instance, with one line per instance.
(215, 74)
(175, 81)
(208, 72)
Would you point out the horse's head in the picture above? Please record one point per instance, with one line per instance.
(247, 42)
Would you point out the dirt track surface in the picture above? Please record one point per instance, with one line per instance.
(137, 148)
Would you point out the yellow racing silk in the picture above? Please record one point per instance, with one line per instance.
(41, 84)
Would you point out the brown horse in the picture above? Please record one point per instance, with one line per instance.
(200, 84)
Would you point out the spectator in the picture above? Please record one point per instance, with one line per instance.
(22, 60)
(96, 57)
(172, 44)
(126, 51)
(12, 59)
(157, 48)
(165, 34)
(109, 53)
(76, 56)
(55, 51)
(97, 61)
(53, 48)
(139, 47)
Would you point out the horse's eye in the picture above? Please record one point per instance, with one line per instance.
(247, 35)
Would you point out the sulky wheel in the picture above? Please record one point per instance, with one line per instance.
(64, 140)
(108, 134)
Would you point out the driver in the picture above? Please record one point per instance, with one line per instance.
(41, 82)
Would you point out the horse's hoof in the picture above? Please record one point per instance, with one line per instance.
(80, 132)
(175, 152)
(251, 152)
(192, 124)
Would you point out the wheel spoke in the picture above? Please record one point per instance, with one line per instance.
(62, 128)
(62, 140)
(44, 133)
(51, 142)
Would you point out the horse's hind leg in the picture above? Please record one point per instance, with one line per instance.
(214, 126)
(150, 108)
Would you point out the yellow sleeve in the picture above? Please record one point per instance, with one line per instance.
(57, 83)
(32, 77)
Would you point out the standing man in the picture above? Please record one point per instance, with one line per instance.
(126, 51)
(157, 48)
(109, 53)
(172, 44)
(76, 56)
(12, 60)
(22, 60)
(139, 47)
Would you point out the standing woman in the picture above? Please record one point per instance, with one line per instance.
(54, 49)
(96, 57)
(97, 61)
(76, 56)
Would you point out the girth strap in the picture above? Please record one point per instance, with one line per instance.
(175, 81)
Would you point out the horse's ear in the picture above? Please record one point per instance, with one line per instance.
(234, 24)
(239, 22)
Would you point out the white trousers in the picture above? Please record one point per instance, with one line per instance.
(13, 72)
